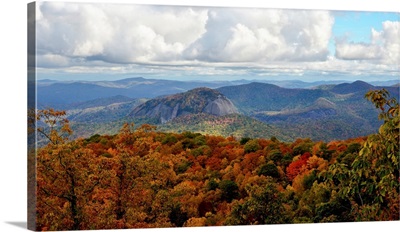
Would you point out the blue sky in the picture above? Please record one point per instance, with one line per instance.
(109, 41)
(356, 26)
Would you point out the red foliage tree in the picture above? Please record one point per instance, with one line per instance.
(295, 167)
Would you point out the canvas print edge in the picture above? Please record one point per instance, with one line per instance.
(31, 166)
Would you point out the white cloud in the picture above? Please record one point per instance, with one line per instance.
(384, 46)
(133, 33)
(116, 32)
(173, 41)
(391, 41)
(262, 35)
(359, 51)
(52, 60)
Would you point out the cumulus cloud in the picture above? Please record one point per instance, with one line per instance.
(359, 51)
(139, 34)
(262, 35)
(173, 41)
(117, 33)
(383, 47)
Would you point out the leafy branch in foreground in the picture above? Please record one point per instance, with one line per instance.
(372, 181)
(51, 124)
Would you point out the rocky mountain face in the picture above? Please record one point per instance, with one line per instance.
(199, 100)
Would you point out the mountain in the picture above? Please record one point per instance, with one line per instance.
(98, 102)
(256, 97)
(59, 94)
(330, 112)
(261, 97)
(386, 83)
(199, 100)
(101, 110)
(325, 112)
(354, 87)
(320, 108)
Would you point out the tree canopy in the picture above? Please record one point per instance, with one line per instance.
(143, 178)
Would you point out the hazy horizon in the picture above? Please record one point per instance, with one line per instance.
(388, 82)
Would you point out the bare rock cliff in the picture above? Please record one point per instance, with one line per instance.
(200, 100)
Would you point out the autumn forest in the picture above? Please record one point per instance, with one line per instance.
(145, 178)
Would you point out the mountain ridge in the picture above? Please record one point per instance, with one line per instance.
(57, 93)
(326, 112)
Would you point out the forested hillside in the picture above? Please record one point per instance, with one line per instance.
(321, 113)
(235, 125)
(143, 178)
(325, 112)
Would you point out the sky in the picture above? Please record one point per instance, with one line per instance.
(103, 41)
